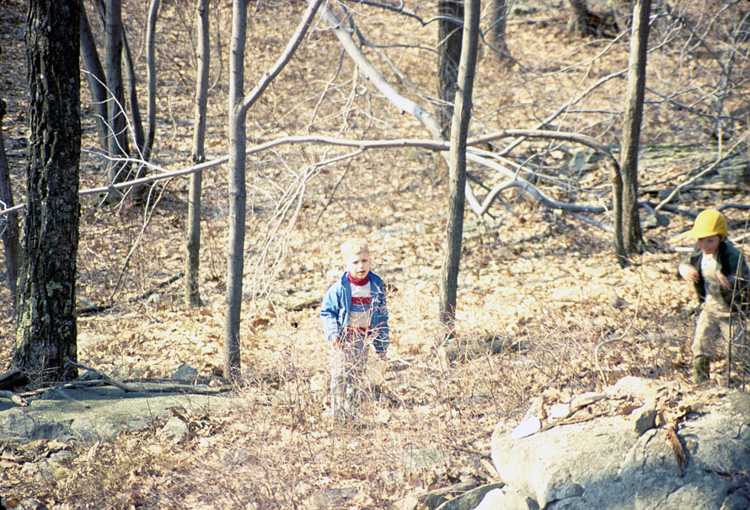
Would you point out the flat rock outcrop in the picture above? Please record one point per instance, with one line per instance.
(640, 444)
(87, 415)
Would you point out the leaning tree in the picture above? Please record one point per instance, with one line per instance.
(457, 163)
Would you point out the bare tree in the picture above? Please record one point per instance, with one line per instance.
(239, 104)
(95, 76)
(457, 163)
(136, 121)
(117, 140)
(46, 316)
(498, 15)
(9, 222)
(237, 193)
(148, 143)
(450, 12)
(203, 54)
(108, 88)
(631, 135)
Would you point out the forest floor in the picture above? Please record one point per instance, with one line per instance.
(544, 281)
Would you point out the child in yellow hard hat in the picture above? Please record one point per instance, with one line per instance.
(720, 274)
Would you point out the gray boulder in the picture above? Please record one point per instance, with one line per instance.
(87, 415)
(617, 454)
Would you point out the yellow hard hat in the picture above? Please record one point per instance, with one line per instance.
(708, 223)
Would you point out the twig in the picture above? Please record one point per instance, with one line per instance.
(146, 221)
(465, 450)
(148, 293)
(573, 421)
(14, 397)
(716, 163)
(90, 310)
(102, 376)
(164, 389)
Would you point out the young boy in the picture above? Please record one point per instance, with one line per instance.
(353, 312)
(720, 274)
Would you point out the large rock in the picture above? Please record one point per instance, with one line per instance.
(614, 452)
(87, 415)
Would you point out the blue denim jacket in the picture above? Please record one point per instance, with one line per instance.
(336, 305)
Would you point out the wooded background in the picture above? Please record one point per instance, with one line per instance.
(343, 146)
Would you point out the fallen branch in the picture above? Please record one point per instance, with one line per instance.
(573, 421)
(90, 310)
(141, 389)
(102, 376)
(730, 153)
(13, 378)
(14, 397)
(71, 385)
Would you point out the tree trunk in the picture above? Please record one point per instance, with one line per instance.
(631, 135)
(136, 121)
(46, 316)
(192, 270)
(586, 23)
(579, 15)
(451, 14)
(153, 14)
(117, 140)
(9, 222)
(498, 16)
(239, 104)
(237, 193)
(95, 77)
(457, 163)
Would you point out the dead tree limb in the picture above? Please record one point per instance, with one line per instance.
(130, 388)
(13, 397)
(729, 153)
(96, 309)
(101, 375)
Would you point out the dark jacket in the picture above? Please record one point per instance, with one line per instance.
(728, 260)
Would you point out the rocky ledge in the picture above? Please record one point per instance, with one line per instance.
(640, 444)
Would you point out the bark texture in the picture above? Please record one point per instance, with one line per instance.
(203, 54)
(9, 222)
(46, 316)
(631, 224)
(451, 14)
(457, 162)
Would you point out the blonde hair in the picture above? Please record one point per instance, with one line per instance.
(353, 247)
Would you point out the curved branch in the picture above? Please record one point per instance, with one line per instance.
(377, 79)
(433, 145)
(564, 107)
(553, 135)
(394, 8)
(540, 197)
(284, 59)
(434, 127)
